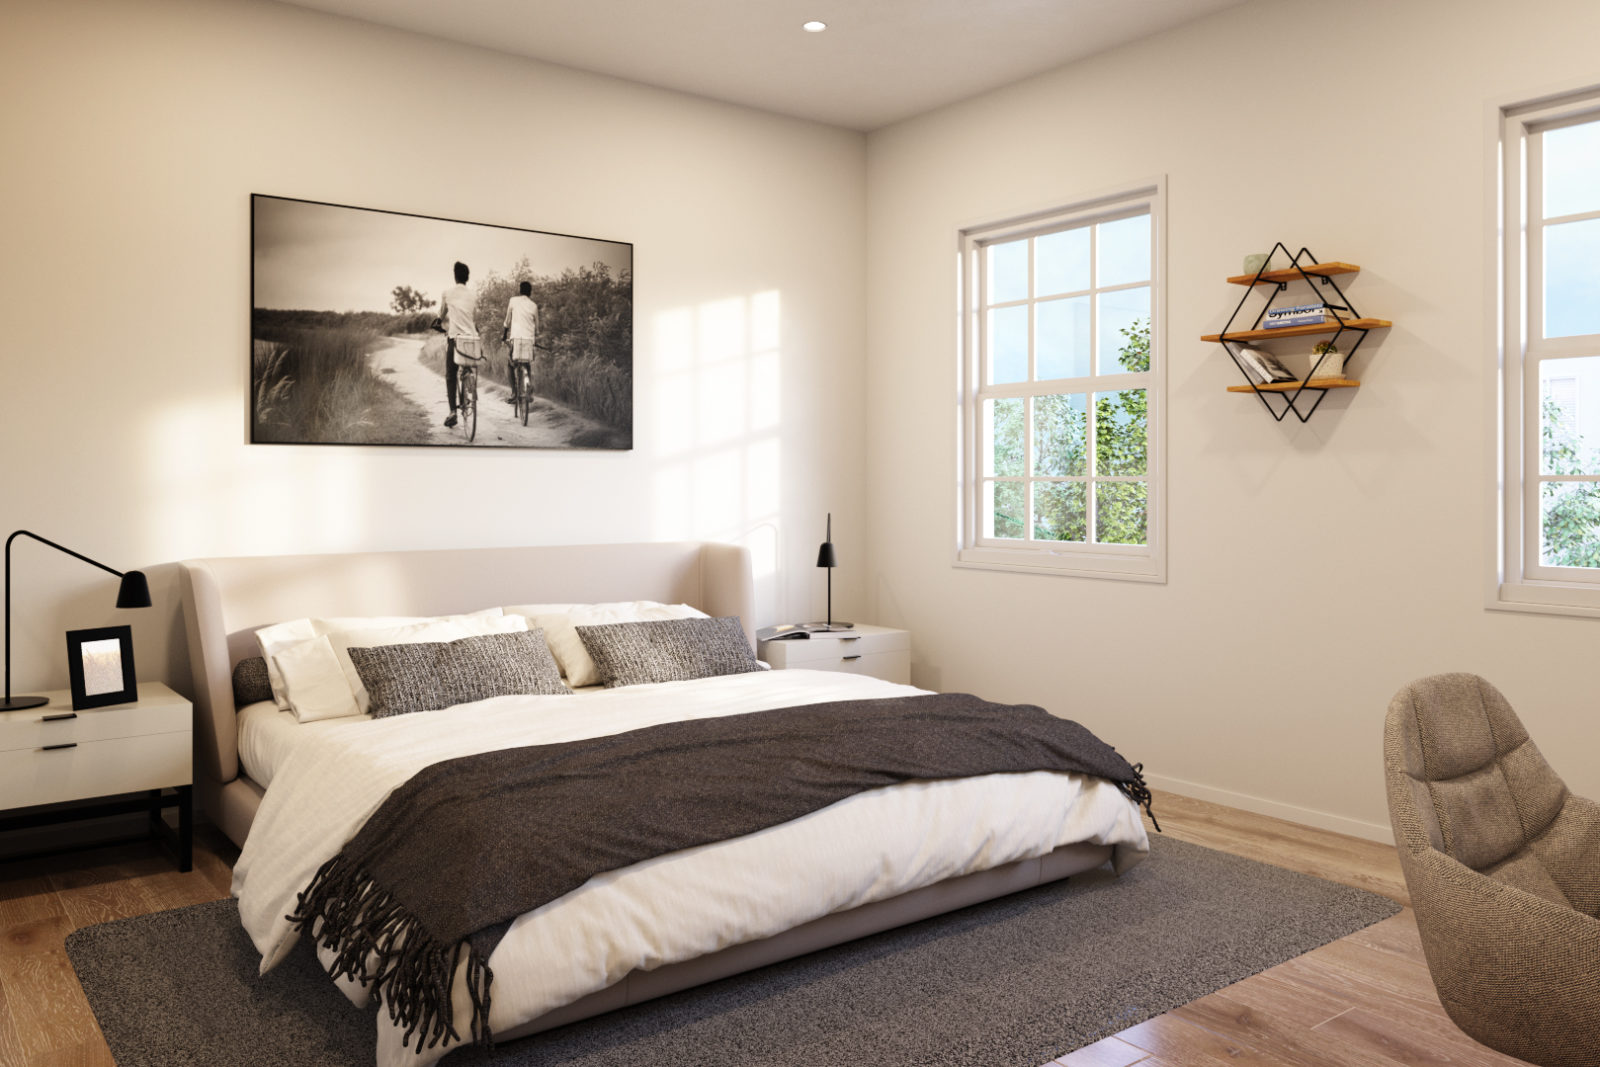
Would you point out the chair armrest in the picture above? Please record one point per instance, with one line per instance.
(1515, 971)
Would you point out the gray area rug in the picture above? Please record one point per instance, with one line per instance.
(1010, 983)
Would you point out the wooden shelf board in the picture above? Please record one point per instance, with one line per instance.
(1300, 331)
(1273, 277)
(1289, 387)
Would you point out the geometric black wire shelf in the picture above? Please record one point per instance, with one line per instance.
(1303, 266)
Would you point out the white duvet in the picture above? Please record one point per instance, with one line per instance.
(868, 847)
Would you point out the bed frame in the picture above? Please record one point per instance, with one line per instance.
(226, 600)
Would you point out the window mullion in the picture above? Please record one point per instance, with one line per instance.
(1027, 468)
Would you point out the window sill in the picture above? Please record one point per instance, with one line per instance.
(1546, 598)
(1135, 566)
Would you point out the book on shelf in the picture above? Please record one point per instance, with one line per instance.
(1298, 315)
(1263, 367)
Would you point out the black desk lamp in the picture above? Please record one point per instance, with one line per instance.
(827, 558)
(135, 593)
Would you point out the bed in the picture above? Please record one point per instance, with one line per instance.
(654, 927)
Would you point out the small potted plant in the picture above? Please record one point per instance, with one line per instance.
(1332, 365)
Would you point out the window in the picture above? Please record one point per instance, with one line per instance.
(1061, 394)
(1548, 353)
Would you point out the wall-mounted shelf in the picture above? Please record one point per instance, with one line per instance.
(1291, 387)
(1291, 274)
(1299, 331)
(1303, 267)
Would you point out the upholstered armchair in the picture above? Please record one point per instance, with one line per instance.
(1503, 867)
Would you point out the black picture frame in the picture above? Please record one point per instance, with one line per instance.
(348, 341)
(95, 667)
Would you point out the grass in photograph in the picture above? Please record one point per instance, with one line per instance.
(315, 385)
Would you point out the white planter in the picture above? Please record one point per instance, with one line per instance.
(1332, 366)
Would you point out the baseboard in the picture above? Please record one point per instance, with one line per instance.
(1321, 820)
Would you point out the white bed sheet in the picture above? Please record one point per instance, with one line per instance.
(267, 736)
(681, 905)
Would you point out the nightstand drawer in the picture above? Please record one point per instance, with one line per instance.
(890, 666)
(874, 650)
(94, 768)
(804, 653)
(57, 724)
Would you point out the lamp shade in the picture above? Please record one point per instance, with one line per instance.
(135, 591)
(825, 556)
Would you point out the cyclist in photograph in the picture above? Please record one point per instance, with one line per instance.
(520, 329)
(458, 309)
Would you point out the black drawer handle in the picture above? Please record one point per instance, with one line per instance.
(69, 744)
(59, 718)
(857, 637)
(847, 659)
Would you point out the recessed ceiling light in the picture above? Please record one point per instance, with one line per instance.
(814, 26)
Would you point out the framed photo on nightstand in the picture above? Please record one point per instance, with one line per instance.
(100, 663)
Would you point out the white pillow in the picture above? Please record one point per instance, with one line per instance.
(313, 677)
(560, 631)
(274, 638)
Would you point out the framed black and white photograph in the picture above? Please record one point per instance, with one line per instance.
(100, 664)
(374, 327)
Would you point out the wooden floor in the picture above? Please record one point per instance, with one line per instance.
(1363, 1001)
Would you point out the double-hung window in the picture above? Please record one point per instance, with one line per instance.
(1548, 355)
(1061, 392)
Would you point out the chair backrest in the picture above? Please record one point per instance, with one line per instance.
(1464, 774)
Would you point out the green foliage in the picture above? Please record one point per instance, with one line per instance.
(1061, 449)
(1571, 510)
(1122, 432)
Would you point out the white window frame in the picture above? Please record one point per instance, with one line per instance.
(1518, 581)
(1148, 562)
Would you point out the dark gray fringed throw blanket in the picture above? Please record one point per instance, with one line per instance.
(468, 844)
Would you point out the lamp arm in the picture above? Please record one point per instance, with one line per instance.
(52, 544)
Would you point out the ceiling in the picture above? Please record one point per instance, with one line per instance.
(878, 62)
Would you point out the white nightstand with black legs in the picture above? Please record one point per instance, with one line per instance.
(53, 755)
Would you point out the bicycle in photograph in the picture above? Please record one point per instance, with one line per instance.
(522, 377)
(467, 387)
(466, 361)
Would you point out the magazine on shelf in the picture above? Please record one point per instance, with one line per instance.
(795, 631)
(1263, 367)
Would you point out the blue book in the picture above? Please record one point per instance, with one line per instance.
(1299, 315)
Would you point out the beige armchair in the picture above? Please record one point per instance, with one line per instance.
(1503, 867)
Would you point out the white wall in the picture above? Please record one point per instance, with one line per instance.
(1313, 569)
(134, 132)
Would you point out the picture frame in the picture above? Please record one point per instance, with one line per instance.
(100, 663)
(362, 320)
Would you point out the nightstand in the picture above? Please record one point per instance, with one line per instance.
(53, 755)
(879, 651)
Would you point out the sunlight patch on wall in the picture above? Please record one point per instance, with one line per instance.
(244, 499)
(718, 410)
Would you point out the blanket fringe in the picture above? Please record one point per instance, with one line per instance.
(1137, 791)
(380, 944)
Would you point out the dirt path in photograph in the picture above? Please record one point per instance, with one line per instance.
(550, 425)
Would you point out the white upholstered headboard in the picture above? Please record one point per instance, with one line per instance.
(226, 600)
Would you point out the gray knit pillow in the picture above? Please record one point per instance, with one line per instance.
(401, 679)
(668, 650)
(250, 682)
